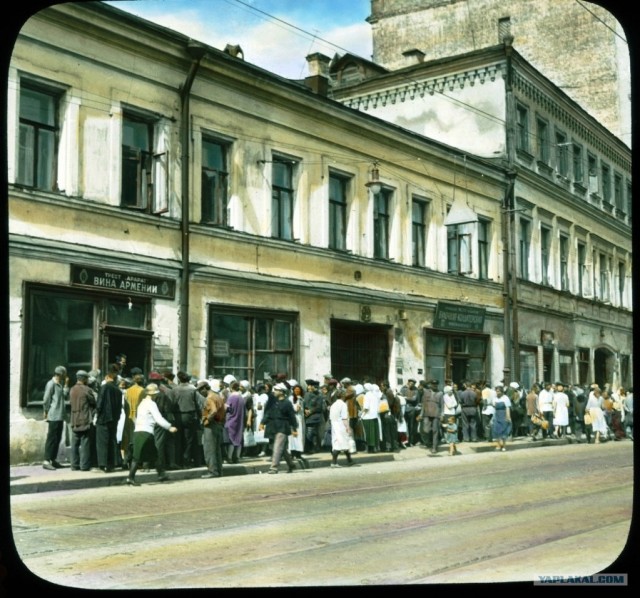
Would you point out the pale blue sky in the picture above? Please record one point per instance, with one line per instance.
(274, 34)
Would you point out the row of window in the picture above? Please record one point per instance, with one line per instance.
(571, 162)
(595, 272)
(143, 163)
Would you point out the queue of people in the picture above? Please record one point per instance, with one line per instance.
(150, 421)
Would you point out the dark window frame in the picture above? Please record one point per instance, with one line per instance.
(419, 231)
(382, 222)
(282, 198)
(214, 198)
(39, 176)
(338, 198)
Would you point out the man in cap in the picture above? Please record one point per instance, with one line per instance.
(55, 393)
(213, 415)
(411, 395)
(280, 422)
(144, 446)
(83, 404)
(313, 417)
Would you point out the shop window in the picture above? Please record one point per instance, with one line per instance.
(527, 376)
(338, 211)
(565, 360)
(250, 346)
(214, 182)
(457, 357)
(38, 137)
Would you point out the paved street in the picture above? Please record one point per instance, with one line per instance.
(416, 519)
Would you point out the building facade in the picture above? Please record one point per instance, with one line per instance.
(567, 212)
(595, 68)
(169, 201)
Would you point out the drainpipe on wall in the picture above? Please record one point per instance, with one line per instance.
(197, 52)
(510, 274)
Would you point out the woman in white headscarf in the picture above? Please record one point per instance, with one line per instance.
(370, 417)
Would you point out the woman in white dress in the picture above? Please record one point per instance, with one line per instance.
(296, 443)
(341, 432)
(594, 409)
(260, 399)
(371, 419)
(560, 403)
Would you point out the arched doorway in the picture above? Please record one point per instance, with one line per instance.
(604, 361)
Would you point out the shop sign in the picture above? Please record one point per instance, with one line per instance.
(220, 348)
(450, 316)
(124, 282)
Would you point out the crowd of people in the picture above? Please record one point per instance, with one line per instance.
(169, 421)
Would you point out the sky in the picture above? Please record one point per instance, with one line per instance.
(276, 35)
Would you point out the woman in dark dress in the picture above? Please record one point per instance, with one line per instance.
(501, 419)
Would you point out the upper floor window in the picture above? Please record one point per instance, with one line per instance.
(144, 170)
(522, 128)
(37, 158)
(564, 262)
(605, 271)
(621, 283)
(459, 258)
(592, 168)
(578, 167)
(543, 140)
(418, 231)
(381, 218)
(524, 247)
(617, 194)
(629, 201)
(545, 250)
(338, 211)
(606, 183)
(282, 199)
(582, 269)
(562, 154)
(484, 227)
(214, 182)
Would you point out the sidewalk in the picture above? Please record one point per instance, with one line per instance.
(29, 479)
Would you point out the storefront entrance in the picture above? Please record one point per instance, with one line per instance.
(135, 344)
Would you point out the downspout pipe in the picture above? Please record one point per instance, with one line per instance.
(197, 52)
(511, 345)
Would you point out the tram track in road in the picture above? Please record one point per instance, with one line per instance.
(409, 509)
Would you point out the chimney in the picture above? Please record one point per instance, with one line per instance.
(318, 79)
(414, 56)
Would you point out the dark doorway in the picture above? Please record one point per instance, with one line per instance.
(603, 365)
(135, 344)
(360, 351)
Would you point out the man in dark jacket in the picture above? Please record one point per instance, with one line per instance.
(280, 422)
(468, 399)
(313, 417)
(83, 404)
(430, 415)
(108, 410)
(390, 418)
(184, 397)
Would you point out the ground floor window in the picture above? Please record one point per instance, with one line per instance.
(454, 356)
(80, 331)
(528, 360)
(565, 359)
(360, 351)
(583, 366)
(251, 346)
